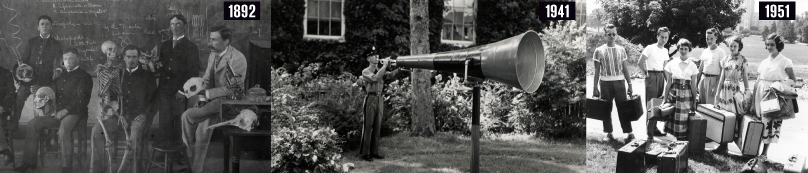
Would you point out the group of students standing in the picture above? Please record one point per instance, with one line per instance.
(714, 77)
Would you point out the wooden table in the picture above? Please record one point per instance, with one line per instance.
(232, 145)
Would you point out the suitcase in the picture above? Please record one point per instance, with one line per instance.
(795, 164)
(598, 109)
(751, 135)
(631, 108)
(720, 123)
(675, 159)
(652, 151)
(755, 165)
(655, 113)
(631, 157)
(696, 133)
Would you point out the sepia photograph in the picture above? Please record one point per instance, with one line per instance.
(696, 86)
(427, 86)
(134, 86)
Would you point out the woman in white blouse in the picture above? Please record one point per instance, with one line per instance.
(681, 92)
(775, 68)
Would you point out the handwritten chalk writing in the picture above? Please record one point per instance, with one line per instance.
(64, 6)
(84, 51)
(94, 12)
(69, 38)
(65, 24)
(64, 0)
(116, 33)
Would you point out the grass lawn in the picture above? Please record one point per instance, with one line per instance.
(601, 156)
(452, 153)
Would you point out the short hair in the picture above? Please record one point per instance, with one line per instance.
(71, 50)
(778, 41)
(740, 43)
(44, 17)
(608, 26)
(715, 32)
(132, 47)
(224, 31)
(179, 17)
(662, 29)
(685, 42)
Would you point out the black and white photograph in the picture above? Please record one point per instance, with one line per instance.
(696, 86)
(134, 86)
(399, 86)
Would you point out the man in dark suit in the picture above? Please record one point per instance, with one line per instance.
(137, 86)
(73, 90)
(44, 54)
(179, 61)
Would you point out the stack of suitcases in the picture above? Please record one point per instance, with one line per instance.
(675, 159)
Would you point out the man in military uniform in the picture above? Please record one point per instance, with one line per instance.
(373, 81)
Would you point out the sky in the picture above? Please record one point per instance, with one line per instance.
(802, 5)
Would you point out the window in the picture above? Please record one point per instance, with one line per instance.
(458, 22)
(324, 19)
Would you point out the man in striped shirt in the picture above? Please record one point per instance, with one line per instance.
(610, 75)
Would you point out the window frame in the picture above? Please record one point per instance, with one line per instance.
(307, 36)
(462, 43)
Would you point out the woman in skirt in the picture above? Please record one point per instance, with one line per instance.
(733, 72)
(681, 91)
(775, 68)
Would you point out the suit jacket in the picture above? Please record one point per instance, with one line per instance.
(180, 63)
(7, 89)
(44, 55)
(216, 74)
(136, 92)
(73, 91)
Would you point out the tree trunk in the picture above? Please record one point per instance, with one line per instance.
(423, 121)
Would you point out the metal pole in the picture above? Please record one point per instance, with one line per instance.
(475, 129)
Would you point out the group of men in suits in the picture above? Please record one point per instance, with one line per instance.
(144, 87)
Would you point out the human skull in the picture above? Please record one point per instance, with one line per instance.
(193, 86)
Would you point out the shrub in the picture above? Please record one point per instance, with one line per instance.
(306, 150)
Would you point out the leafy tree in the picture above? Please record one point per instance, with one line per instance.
(637, 20)
(774, 27)
(804, 34)
(787, 30)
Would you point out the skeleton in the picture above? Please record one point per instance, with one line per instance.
(245, 120)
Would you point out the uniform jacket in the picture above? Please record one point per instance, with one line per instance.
(44, 55)
(73, 91)
(179, 63)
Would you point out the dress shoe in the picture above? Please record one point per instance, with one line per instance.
(608, 137)
(24, 167)
(377, 156)
(630, 137)
(367, 158)
(660, 133)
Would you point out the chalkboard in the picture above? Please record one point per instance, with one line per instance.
(85, 24)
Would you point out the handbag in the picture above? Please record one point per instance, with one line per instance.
(777, 105)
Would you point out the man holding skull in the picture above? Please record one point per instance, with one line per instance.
(224, 76)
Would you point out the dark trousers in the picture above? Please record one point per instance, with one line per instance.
(170, 109)
(35, 127)
(654, 86)
(373, 124)
(614, 91)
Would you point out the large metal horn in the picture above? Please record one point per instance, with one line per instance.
(517, 61)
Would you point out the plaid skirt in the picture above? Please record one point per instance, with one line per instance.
(682, 98)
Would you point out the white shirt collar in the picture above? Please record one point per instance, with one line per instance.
(225, 51)
(180, 37)
(44, 37)
(132, 70)
(70, 70)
